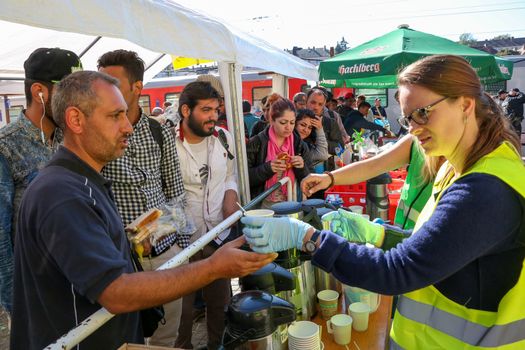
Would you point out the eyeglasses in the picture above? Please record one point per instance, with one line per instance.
(420, 115)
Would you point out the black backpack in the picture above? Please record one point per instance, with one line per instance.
(156, 132)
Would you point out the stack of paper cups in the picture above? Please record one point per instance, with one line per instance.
(304, 335)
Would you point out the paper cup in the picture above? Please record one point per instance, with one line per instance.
(263, 213)
(340, 326)
(359, 312)
(356, 209)
(328, 303)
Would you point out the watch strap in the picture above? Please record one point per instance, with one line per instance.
(316, 235)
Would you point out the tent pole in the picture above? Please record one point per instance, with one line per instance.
(89, 46)
(230, 75)
(155, 61)
(280, 84)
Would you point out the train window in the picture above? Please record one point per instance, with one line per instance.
(173, 98)
(144, 103)
(257, 95)
(372, 94)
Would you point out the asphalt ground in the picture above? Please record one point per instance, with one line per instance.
(4, 331)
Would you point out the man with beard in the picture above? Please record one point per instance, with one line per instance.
(26, 145)
(347, 106)
(147, 175)
(72, 254)
(210, 182)
(316, 100)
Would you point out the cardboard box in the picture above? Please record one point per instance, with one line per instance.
(143, 347)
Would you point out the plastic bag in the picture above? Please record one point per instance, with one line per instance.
(149, 230)
(173, 219)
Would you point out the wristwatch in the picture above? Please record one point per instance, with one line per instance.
(311, 246)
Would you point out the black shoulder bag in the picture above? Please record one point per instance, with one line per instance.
(152, 316)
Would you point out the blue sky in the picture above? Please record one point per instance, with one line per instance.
(307, 23)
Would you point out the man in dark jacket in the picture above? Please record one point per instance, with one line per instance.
(356, 121)
(347, 107)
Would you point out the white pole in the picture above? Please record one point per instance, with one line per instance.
(289, 189)
(99, 318)
(230, 75)
(193, 248)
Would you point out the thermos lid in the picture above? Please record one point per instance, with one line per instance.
(271, 278)
(382, 179)
(322, 211)
(257, 313)
(309, 204)
(286, 208)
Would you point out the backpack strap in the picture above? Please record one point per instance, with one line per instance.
(221, 135)
(156, 132)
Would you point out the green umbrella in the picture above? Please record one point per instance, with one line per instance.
(375, 64)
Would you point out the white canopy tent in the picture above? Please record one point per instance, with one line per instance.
(148, 26)
(151, 28)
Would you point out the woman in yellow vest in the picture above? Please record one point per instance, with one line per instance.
(461, 272)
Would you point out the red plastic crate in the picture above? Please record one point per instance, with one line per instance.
(396, 185)
(393, 199)
(398, 174)
(358, 187)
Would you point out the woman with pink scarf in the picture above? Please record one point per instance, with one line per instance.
(276, 152)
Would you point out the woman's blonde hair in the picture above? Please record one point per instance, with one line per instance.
(453, 77)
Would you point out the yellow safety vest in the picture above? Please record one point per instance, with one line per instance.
(426, 319)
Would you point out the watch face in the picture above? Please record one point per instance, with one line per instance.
(310, 247)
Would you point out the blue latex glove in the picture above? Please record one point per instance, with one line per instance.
(267, 235)
(354, 227)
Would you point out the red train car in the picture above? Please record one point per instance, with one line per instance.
(254, 87)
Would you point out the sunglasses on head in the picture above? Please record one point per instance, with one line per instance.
(420, 115)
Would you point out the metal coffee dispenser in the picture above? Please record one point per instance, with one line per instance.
(293, 261)
(314, 209)
(377, 203)
(253, 320)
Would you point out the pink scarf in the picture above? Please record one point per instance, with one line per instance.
(272, 152)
